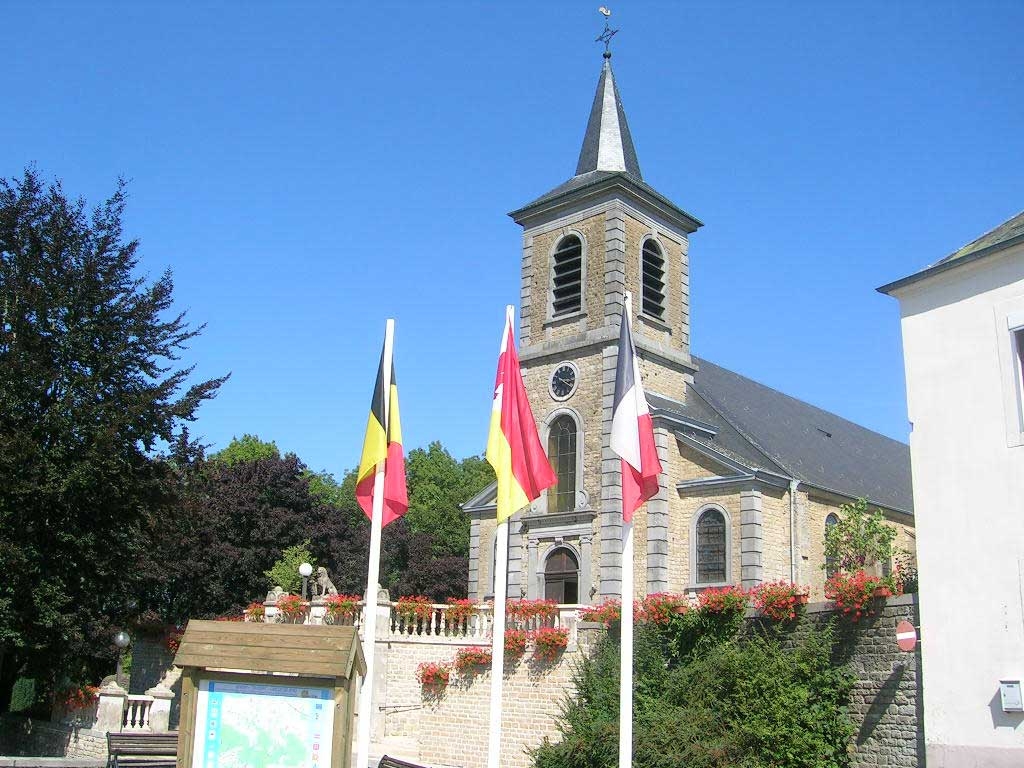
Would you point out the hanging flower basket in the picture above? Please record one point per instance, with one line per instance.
(458, 611)
(549, 642)
(414, 608)
(431, 674)
(292, 609)
(525, 610)
(606, 613)
(660, 607)
(515, 643)
(722, 600)
(472, 660)
(341, 609)
(857, 595)
(779, 600)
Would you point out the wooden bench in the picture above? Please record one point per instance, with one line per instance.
(390, 762)
(139, 749)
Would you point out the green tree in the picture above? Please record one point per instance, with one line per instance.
(89, 387)
(438, 486)
(860, 539)
(285, 571)
(246, 448)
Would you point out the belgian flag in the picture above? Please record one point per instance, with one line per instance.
(383, 443)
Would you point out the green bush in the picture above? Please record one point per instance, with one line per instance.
(23, 694)
(706, 698)
(285, 572)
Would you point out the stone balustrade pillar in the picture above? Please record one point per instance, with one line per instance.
(160, 709)
(110, 710)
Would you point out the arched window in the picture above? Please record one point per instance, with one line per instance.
(562, 576)
(712, 547)
(562, 454)
(567, 277)
(831, 564)
(653, 276)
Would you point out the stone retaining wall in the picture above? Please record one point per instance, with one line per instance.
(25, 736)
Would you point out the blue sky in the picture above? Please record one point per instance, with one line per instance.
(310, 169)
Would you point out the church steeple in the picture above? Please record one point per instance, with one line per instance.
(607, 144)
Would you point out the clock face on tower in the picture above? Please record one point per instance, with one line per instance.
(563, 381)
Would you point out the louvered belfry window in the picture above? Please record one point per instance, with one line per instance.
(567, 280)
(653, 268)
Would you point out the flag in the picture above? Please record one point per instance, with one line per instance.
(632, 430)
(513, 446)
(383, 442)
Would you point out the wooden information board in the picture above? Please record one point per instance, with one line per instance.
(267, 694)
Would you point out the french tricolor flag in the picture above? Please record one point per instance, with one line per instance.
(632, 429)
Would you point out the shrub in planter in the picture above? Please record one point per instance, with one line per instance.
(414, 608)
(660, 607)
(340, 608)
(524, 610)
(292, 609)
(255, 611)
(472, 660)
(606, 613)
(549, 642)
(458, 611)
(779, 600)
(515, 643)
(722, 600)
(431, 674)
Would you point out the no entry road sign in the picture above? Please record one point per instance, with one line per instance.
(906, 636)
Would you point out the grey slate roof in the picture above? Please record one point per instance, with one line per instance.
(773, 431)
(603, 127)
(1008, 230)
(1007, 234)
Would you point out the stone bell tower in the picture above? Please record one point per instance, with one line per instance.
(601, 233)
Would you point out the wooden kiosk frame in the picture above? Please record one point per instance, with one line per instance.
(297, 655)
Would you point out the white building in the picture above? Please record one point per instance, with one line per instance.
(963, 343)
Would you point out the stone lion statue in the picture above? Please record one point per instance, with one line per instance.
(323, 584)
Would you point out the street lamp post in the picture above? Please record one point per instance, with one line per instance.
(305, 571)
(122, 640)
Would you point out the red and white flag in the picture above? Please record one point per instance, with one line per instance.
(632, 429)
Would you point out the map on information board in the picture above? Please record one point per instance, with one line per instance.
(244, 725)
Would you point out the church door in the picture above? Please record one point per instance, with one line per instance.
(562, 577)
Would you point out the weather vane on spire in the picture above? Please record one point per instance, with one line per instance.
(606, 36)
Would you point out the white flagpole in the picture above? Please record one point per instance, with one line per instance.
(498, 627)
(498, 643)
(373, 571)
(626, 643)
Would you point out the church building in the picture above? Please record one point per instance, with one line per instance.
(751, 478)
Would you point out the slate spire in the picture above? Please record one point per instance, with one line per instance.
(607, 145)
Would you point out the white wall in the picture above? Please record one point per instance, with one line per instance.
(968, 472)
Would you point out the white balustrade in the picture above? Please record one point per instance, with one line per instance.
(136, 713)
(436, 625)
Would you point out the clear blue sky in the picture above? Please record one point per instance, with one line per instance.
(309, 169)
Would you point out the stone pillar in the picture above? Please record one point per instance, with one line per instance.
(751, 539)
(531, 573)
(586, 568)
(657, 524)
(611, 487)
(160, 710)
(514, 574)
(110, 710)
